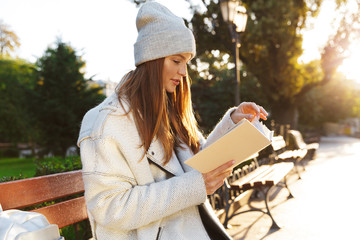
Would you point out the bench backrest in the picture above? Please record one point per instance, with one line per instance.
(28, 192)
(278, 143)
(298, 139)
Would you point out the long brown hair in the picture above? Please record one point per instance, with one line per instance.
(157, 113)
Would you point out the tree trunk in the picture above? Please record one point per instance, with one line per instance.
(286, 113)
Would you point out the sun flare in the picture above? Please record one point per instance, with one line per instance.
(351, 65)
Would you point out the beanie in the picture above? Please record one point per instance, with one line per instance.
(161, 34)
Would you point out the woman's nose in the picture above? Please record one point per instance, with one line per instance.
(182, 70)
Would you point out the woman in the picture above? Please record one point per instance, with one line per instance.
(134, 144)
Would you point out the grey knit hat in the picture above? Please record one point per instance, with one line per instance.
(160, 34)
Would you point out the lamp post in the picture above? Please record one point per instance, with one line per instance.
(235, 16)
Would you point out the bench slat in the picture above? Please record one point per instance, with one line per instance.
(266, 176)
(65, 213)
(282, 170)
(27, 192)
(238, 184)
(313, 146)
(261, 180)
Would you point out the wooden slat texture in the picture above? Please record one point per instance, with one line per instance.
(282, 170)
(65, 213)
(266, 175)
(248, 178)
(27, 192)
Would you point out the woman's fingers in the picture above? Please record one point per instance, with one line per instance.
(221, 169)
(215, 178)
(263, 113)
(254, 109)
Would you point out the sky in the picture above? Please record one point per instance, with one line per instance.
(103, 32)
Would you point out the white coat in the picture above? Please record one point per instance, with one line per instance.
(126, 193)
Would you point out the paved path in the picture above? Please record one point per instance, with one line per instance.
(326, 203)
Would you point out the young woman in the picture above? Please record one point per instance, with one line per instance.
(134, 144)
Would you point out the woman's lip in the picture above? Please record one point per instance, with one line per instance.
(175, 81)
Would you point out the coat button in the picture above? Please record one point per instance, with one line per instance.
(152, 153)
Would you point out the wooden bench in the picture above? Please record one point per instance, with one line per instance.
(299, 143)
(33, 191)
(253, 176)
(280, 153)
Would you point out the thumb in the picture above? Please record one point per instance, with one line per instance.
(249, 117)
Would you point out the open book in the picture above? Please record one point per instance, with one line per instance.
(241, 143)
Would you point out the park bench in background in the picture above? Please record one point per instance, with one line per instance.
(253, 176)
(297, 142)
(65, 189)
(280, 153)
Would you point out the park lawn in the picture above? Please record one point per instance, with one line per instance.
(15, 166)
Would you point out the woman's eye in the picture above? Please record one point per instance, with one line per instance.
(177, 62)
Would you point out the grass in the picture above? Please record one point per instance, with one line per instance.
(15, 166)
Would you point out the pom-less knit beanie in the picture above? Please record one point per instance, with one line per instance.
(160, 34)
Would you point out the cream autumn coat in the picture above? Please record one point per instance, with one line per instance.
(126, 196)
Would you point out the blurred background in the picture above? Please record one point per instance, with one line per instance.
(298, 59)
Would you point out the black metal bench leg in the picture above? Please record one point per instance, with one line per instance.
(274, 224)
(227, 204)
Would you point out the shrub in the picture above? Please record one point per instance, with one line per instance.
(51, 165)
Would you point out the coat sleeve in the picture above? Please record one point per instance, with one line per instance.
(114, 198)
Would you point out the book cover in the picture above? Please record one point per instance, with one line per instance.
(241, 143)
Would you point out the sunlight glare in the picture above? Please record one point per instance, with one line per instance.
(350, 66)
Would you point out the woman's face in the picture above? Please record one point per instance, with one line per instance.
(174, 70)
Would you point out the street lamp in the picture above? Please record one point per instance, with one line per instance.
(235, 16)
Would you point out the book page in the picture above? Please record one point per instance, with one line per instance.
(239, 144)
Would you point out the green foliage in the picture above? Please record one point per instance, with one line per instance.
(62, 96)
(8, 40)
(51, 165)
(336, 101)
(17, 80)
(213, 88)
(211, 32)
(14, 168)
(80, 230)
(11, 178)
(270, 47)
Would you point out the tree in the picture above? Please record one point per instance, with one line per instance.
(271, 46)
(270, 49)
(333, 102)
(211, 89)
(8, 40)
(63, 97)
(17, 80)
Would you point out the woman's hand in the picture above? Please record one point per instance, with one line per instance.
(215, 178)
(248, 110)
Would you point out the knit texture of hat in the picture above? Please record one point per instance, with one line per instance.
(161, 34)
